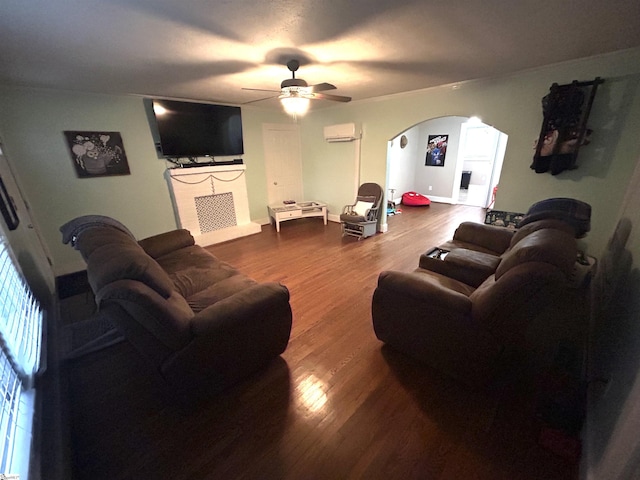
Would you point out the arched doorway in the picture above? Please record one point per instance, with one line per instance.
(450, 159)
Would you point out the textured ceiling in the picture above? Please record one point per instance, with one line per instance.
(208, 50)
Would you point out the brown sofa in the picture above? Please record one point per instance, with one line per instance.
(202, 324)
(475, 250)
(468, 330)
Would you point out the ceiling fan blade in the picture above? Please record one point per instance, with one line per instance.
(321, 87)
(261, 99)
(328, 96)
(259, 90)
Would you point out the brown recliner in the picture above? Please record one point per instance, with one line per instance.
(468, 332)
(200, 323)
(475, 251)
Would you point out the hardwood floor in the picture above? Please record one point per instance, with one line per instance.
(336, 405)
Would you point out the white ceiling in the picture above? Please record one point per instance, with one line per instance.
(209, 49)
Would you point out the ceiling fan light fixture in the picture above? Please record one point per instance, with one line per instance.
(293, 83)
(294, 105)
(295, 93)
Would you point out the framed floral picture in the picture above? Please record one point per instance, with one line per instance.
(97, 154)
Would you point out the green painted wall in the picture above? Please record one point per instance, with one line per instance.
(512, 105)
(252, 121)
(31, 125)
(610, 435)
(32, 122)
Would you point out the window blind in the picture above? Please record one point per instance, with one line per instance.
(21, 322)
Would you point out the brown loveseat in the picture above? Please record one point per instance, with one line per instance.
(475, 251)
(468, 330)
(202, 324)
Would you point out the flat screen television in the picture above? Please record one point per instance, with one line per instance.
(188, 129)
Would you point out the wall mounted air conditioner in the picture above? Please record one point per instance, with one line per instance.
(345, 132)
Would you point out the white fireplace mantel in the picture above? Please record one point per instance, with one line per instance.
(212, 202)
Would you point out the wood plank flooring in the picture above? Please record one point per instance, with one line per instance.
(336, 405)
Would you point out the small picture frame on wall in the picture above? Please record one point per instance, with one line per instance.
(97, 154)
(436, 150)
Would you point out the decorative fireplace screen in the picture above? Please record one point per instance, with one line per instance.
(215, 212)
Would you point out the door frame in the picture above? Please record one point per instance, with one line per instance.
(273, 154)
(26, 240)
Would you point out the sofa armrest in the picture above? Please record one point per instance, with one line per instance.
(432, 323)
(158, 245)
(436, 265)
(244, 306)
(233, 338)
(491, 237)
(425, 288)
(151, 319)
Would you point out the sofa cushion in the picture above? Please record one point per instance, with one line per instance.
(485, 238)
(192, 280)
(106, 265)
(164, 243)
(193, 256)
(219, 291)
(469, 266)
(361, 208)
(452, 245)
(548, 245)
(193, 269)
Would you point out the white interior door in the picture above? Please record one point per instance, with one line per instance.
(283, 162)
(479, 150)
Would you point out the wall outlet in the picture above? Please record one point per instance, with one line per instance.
(430, 188)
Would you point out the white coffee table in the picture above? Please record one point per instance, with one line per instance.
(283, 212)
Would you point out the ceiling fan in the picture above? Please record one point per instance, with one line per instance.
(295, 93)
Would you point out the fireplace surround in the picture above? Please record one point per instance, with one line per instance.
(212, 202)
